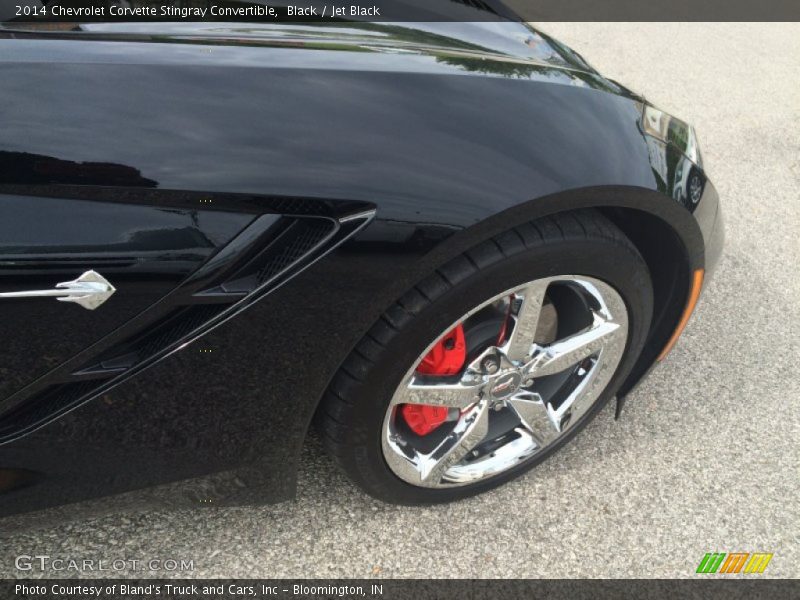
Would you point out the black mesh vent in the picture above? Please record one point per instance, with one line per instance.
(175, 329)
(297, 239)
(305, 235)
(48, 404)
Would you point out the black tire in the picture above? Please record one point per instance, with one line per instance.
(350, 417)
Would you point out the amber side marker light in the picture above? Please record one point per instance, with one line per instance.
(694, 296)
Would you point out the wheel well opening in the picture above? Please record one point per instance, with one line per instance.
(668, 263)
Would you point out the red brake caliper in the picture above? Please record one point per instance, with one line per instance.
(447, 357)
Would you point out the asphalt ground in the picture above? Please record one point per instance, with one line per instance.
(706, 457)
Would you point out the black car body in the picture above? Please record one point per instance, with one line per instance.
(258, 197)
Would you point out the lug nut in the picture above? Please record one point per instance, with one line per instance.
(490, 365)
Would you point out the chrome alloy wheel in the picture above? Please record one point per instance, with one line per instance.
(695, 188)
(561, 342)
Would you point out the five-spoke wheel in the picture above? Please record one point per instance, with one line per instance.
(514, 395)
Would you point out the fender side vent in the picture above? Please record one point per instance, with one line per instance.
(299, 242)
(171, 331)
(304, 236)
(296, 241)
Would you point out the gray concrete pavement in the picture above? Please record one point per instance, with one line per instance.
(706, 457)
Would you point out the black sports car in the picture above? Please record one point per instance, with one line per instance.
(448, 245)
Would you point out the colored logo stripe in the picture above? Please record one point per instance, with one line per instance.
(734, 562)
(758, 562)
(713, 561)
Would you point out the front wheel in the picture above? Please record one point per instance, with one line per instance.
(492, 363)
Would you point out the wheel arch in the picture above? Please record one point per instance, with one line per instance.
(670, 273)
(666, 234)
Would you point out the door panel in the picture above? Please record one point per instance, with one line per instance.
(144, 251)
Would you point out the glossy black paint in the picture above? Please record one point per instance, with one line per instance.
(145, 251)
(468, 130)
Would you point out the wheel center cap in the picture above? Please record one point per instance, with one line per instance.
(505, 385)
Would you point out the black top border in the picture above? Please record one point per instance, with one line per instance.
(276, 11)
